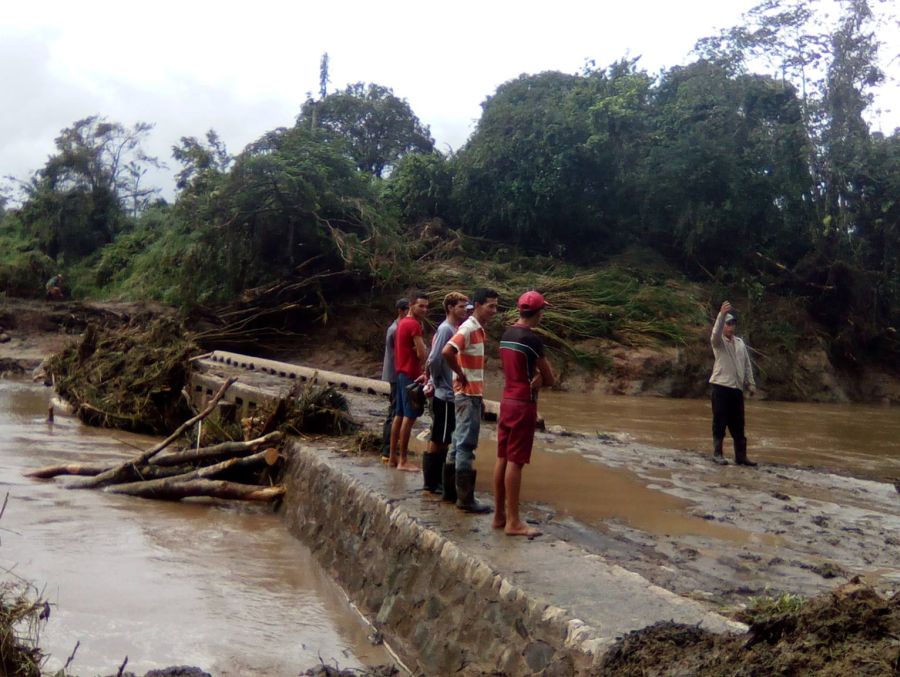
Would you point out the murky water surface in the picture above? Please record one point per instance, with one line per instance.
(223, 588)
(859, 439)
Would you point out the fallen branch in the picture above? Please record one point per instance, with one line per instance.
(133, 473)
(50, 471)
(113, 474)
(201, 487)
(199, 473)
(216, 451)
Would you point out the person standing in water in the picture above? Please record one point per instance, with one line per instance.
(732, 375)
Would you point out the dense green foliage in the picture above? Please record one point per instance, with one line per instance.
(756, 184)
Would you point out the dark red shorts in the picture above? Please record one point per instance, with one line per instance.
(515, 430)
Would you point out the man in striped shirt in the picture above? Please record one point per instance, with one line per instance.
(464, 354)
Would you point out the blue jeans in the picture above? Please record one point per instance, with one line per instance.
(465, 436)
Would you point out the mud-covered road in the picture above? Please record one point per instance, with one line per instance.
(722, 534)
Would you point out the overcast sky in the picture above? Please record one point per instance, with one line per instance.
(244, 69)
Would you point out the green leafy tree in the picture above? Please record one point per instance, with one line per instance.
(378, 127)
(81, 197)
(728, 173)
(526, 175)
(420, 187)
(291, 196)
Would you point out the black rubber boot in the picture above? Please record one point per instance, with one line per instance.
(431, 472)
(740, 453)
(449, 482)
(465, 492)
(717, 451)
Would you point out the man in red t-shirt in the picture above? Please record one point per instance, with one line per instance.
(409, 358)
(525, 372)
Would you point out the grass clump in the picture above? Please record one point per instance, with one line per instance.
(619, 302)
(21, 619)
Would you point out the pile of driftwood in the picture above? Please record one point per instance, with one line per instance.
(194, 472)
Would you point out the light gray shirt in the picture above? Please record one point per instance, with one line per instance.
(388, 371)
(732, 368)
(441, 373)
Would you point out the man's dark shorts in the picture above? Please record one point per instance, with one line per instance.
(515, 430)
(443, 421)
(404, 406)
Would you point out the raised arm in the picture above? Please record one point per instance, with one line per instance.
(716, 336)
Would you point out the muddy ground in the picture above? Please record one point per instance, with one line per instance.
(769, 530)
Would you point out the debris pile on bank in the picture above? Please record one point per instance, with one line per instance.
(230, 460)
(130, 378)
(849, 631)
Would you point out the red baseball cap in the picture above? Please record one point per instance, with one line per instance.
(532, 300)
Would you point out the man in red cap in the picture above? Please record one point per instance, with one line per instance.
(525, 371)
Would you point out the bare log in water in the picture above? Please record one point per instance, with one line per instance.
(200, 473)
(50, 471)
(77, 469)
(200, 487)
(216, 451)
(116, 473)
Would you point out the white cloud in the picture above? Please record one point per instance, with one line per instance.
(244, 69)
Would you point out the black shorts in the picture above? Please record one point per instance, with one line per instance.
(443, 421)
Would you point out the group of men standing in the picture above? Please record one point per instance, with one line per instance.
(452, 373)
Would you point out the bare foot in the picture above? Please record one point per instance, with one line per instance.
(406, 466)
(499, 520)
(521, 529)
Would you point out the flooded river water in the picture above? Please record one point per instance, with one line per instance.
(859, 439)
(224, 588)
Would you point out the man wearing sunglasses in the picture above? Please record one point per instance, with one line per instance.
(732, 375)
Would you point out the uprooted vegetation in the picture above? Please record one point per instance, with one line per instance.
(130, 378)
(21, 618)
(231, 460)
(849, 631)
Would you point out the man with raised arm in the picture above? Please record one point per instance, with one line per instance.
(525, 372)
(465, 355)
(732, 374)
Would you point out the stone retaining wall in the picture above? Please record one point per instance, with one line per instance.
(442, 610)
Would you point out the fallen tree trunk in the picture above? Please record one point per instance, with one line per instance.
(133, 472)
(116, 473)
(200, 487)
(200, 473)
(50, 471)
(216, 451)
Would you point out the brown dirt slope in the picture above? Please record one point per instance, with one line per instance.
(850, 631)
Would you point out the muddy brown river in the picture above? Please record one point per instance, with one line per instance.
(224, 588)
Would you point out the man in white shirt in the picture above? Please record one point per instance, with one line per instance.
(732, 375)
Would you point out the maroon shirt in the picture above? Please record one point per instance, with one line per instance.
(520, 349)
(405, 359)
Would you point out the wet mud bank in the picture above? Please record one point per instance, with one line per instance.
(450, 594)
